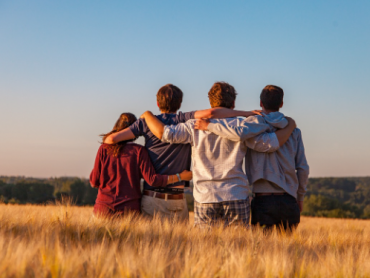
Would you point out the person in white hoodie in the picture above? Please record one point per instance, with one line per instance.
(279, 178)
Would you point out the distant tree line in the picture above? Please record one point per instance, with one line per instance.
(338, 198)
(21, 190)
(326, 197)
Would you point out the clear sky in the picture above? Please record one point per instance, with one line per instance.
(69, 68)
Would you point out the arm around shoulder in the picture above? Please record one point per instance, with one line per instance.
(220, 112)
(122, 135)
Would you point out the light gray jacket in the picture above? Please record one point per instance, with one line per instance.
(287, 167)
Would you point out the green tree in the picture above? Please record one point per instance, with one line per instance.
(77, 191)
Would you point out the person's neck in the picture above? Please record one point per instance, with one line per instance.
(167, 112)
(267, 111)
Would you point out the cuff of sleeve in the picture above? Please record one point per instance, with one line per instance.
(165, 180)
(166, 133)
(300, 197)
(274, 142)
(211, 126)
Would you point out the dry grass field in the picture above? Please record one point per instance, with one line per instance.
(66, 241)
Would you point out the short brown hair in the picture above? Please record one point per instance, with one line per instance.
(169, 98)
(272, 97)
(222, 94)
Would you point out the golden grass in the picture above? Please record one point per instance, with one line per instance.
(66, 241)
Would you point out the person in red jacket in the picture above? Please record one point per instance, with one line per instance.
(118, 170)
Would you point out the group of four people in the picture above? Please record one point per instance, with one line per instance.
(215, 141)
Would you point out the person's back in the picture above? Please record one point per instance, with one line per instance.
(118, 170)
(287, 167)
(166, 158)
(118, 177)
(220, 186)
(279, 179)
(217, 162)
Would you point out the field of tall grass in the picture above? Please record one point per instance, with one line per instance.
(67, 241)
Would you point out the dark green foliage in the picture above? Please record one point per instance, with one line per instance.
(326, 197)
(77, 190)
(39, 193)
(338, 197)
(30, 190)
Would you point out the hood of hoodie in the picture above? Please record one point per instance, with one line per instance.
(276, 119)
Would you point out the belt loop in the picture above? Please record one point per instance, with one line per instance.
(165, 196)
(155, 193)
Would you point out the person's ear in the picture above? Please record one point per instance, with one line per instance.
(281, 105)
(233, 105)
(157, 104)
(261, 105)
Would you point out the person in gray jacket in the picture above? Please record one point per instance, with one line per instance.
(279, 178)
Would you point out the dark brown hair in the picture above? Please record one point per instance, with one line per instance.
(169, 98)
(124, 121)
(272, 97)
(222, 94)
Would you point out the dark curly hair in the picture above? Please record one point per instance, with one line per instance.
(222, 94)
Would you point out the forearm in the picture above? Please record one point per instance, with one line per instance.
(155, 125)
(302, 168)
(237, 133)
(284, 134)
(220, 112)
(183, 176)
(177, 134)
(265, 142)
(173, 179)
(122, 135)
(302, 176)
(301, 193)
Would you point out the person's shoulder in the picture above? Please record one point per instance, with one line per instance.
(134, 146)
(103, 149)
(254, 119)
(182, 117)
(297, 132)
(137, 122)
(227, 121)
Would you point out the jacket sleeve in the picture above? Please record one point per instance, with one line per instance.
(95, 173)
(247, 129)
(302, 168)
(148, 172)
(178, 134)
(265, 142)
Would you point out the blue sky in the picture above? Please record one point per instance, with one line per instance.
(69, 68)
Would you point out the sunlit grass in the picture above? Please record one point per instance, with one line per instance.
(67, 241)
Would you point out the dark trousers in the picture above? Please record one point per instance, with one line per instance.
(275, 210)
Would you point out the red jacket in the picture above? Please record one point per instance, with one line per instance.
(118, 178)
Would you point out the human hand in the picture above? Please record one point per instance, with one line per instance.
(186, 175)
(300, 204)
(201, 124)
